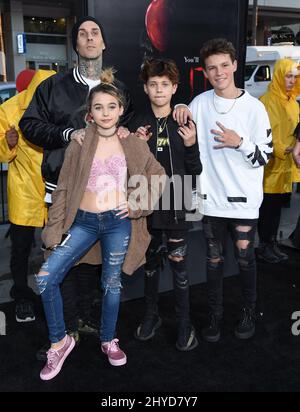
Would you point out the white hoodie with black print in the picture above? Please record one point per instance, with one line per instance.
(231, 183)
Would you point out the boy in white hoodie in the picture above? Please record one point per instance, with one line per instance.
(235, 142)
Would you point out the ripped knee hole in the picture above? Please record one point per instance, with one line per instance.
(176, 259)
(42, 273)
(215, 261)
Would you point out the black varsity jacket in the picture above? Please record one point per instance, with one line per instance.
(57, 109)
(184, 160)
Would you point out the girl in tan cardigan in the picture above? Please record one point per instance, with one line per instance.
(95, 201)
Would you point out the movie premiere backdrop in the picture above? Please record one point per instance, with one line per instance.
(136, 29)
(177, 29)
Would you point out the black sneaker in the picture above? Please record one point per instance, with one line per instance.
(87, 328)
(24, 311)
(246, 327)
(41, 354)
(266, 253)
(282, 256)
(148, 327)
(75, 334)
(186, 338)
(212, 333)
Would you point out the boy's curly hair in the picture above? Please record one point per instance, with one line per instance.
(160, 67)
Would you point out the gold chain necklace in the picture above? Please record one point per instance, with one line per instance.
(228, 111)
(161, 126)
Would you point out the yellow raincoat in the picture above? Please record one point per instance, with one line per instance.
(283, 111)
(25, 186)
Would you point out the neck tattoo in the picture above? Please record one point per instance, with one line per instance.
(90, 68)
(231, 107)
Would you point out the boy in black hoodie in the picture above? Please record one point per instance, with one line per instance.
(178, 152)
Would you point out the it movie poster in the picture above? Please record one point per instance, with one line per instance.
(177, 29)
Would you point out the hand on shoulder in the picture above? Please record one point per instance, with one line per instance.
(78, 136)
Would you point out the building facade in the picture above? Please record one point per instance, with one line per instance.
(36, 34)
(278, 21)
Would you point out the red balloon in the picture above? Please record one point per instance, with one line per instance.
(23, 79)
(157, 19)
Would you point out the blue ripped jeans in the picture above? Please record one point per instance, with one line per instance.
(114, 235)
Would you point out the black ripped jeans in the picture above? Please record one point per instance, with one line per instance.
(242, 232)
(156, 254)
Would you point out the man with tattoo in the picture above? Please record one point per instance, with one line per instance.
(55, 116)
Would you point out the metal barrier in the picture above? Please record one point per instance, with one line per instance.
(3, 195)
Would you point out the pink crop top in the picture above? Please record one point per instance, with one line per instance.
(108, 175)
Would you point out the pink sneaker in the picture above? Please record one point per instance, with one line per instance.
(56, 358)
(116, 356)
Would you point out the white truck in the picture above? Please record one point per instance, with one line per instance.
(260, 62)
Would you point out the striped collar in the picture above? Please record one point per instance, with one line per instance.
(77, 76)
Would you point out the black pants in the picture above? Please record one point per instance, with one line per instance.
(78, 291)
(154, 260)
(269, 217)
(22, 238)
(216, 232)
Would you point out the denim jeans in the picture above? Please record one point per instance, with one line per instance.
(114, 235)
